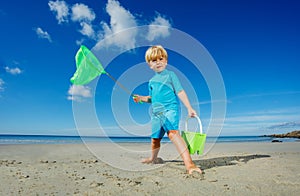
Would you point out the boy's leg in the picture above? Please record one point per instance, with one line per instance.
(183, 151)
(155, 147)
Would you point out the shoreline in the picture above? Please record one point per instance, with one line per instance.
(77, 169)
(54, 139)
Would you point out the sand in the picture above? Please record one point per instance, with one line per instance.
(115, 169)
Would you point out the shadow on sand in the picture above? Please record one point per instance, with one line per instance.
(221, 161)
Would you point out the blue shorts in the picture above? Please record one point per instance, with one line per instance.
(164, 122)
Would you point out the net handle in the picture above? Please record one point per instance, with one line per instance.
(119, 84)
(199, 122)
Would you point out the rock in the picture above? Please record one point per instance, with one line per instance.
(276, 141)
(23, 176)
(293, 134)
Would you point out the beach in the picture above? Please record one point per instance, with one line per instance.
(247, 168)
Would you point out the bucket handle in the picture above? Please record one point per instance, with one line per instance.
(199, 122)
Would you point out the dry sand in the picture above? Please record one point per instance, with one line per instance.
(101, 169)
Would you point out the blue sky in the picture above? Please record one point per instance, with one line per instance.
(255, 45)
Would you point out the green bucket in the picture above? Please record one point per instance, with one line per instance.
(194, 140)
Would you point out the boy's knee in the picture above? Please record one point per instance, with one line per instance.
(155, 143)
(172, 134)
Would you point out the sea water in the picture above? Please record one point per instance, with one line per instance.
(54, 139)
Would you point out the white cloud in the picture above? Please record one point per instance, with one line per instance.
(248, 96)
(78, 93)
(13, 71)
(84, 15)
(43, 34)
(81, 12)
(262, 122)
(61, 10)
(87, 29)
(283, 125)
(271, 116)
(158, 28)
(79, 42)
(211, 102)
(120, 19)
(1, 85)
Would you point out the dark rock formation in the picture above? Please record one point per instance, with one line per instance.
(276, 141)
(293, 134)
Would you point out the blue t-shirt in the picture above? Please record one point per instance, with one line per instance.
(163, 89)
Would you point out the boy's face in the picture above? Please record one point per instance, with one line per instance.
(158, 65)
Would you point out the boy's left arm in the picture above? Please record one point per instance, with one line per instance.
(185, 100)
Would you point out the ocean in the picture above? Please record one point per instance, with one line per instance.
(54, 139)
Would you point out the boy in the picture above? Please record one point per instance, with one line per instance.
(163, 89)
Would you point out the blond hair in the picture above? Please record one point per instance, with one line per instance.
(155, 52)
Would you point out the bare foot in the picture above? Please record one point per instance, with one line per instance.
(148, 160)
(158, 160)
(194, 169)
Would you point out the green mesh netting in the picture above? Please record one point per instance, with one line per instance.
(88, 67)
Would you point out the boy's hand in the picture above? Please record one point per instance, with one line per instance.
(137, 99)
(192, 112)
